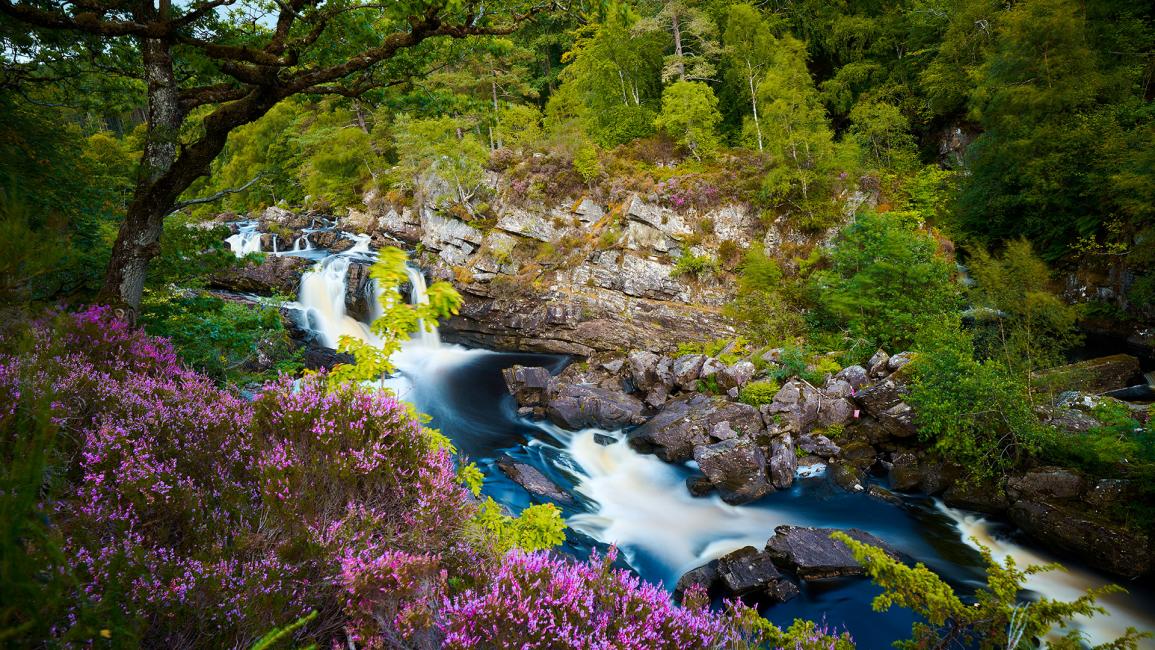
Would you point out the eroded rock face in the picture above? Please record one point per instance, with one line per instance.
(811, 554)
(1046, 483)
(705, 576)
(1073, 530)
(274, 274)
(686, 422)
(1092, 376)
(736, 467)
(529, 385)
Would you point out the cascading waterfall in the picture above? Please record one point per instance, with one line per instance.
(246, 240)
(322, 299)
(419, 295)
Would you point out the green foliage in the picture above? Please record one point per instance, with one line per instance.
(397, 322)
(690, 116)
(519, 126)
(766, 302)
(441, 147)
(693, 265)
(586, 163)
(758, 632)
(757, 393)
(276, 635)
(887, 280)
(883, 135)
(976, 413)
(227, 341)
(1020, 321)
(995, 620)
(538, 527)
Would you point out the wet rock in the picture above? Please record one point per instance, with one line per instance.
(748, 571)
(818, 445)
(905, 472)
(1046, 483)
(577, 406)
(648, 370)
(939, 475)
(699, 486)
(737, 375)
(686, 422)
(835, 411)
(981, 496)
(531, 478)
(783, 461)
(705, 576)
(736, 467)
(795, 407)
(686, 369)
(811, 554)
(1109, 493)
(883, 494)
(275, 274)
(1070, 529)
(1092, 376)
(846, 476)
(322, 358)
(529, 385)
(856, 376)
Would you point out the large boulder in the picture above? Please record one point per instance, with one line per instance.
(685, 423)
(649, 371)
(884, 401)
(529, 385)
(1092, 376)
(736, 467)
(794, 408)
(750, 571)
(783, 461)
(1072, 529)
(705, 576)
(737, 375)
(856, 376)
(274, 274)
(531, 478)
(686, 369)
(811, 554)
(1046, 483)
(578, 406)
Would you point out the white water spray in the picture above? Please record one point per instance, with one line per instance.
(247, 240)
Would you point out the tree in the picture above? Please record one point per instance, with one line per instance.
(748, 47)
(690, 116)
(207, 75)
(694, 37)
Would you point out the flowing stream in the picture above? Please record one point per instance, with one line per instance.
(641, 504)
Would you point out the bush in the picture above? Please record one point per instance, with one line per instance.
(690, 116)
(693, 265)
(757, 393)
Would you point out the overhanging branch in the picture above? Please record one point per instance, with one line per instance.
(214, 197)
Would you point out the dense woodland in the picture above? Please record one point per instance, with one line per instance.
(1012, 140)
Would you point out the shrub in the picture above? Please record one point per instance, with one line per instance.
(757, 393)
(690, 116)
(693, 265)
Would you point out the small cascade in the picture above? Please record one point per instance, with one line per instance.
(275, 243)
(247, 240)
(322, 298)
(419, 295)
(1064, 584)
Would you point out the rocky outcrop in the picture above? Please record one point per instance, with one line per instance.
(811, 554)
(273, 275)
(1092, 376)
(1072, 529)
(577, 406)
(748, 571)
(736, 467)
(686, 423)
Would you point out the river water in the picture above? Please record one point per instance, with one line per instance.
(641, 504)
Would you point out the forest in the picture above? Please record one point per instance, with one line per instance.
(707, 272)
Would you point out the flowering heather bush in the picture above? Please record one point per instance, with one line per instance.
(181, 515)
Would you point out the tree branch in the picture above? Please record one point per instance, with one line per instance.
(214, 197)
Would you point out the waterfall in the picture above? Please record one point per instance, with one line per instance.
(419, 295)
(1065, 584)
(322, 297)
(247, 240)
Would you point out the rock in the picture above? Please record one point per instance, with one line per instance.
(614, 367)
(648, 370)
(530, 478)
(1070, 529)
(877, 364)
(795, 407)
(773, 355)
(686, 369)
(710, 367)
(986, 496)
(521, 222)
(322, 358)
(748, 570)
(905, 472)
(856, 376)
(818, 445)
(876, 399)
(899, 360)
(836, 388)
(737, 375)
(705, 576)
(1109, 493)
(883, 494)
(529, 385)
(1045, 483)
(723, 431)
(577, 406)
(657, 397)
(1092, 376)
(686, 422)
(811, 554)
(783, 462)
(274, 274)
(736, 467)
(939, 475)
(846, 476)
(835, 411)
(699, 486)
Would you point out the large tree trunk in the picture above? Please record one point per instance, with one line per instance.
(139, 239)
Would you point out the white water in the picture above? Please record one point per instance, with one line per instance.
(1064, 584)
(247, 240)
(322, 298)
